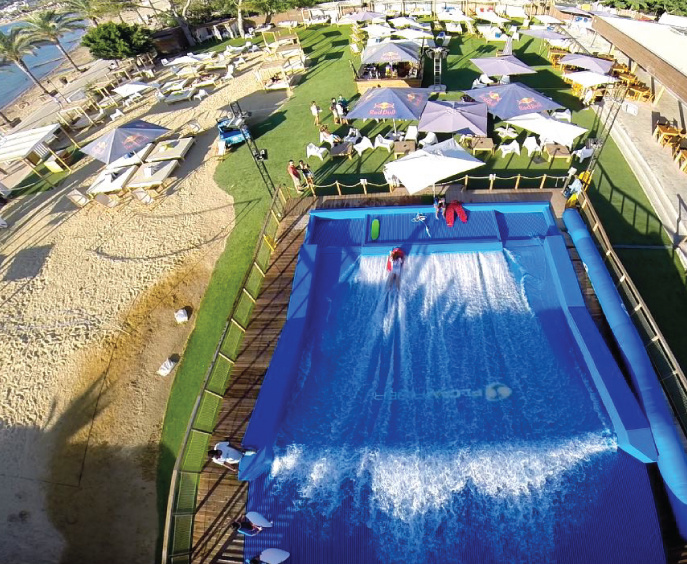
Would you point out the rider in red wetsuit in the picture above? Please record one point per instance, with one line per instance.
(394, 264)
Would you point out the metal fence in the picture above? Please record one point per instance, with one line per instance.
(181, 503)
(667, 368)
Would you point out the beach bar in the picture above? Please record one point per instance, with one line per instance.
(393, 64)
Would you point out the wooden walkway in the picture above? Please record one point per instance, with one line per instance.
(221, 497)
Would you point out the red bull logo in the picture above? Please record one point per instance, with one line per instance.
(528, 103)
(383, 109)
(389, 56)
(490, 98)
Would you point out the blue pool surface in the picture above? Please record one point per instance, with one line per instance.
(473, 415)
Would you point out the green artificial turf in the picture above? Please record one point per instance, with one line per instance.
(619, 199)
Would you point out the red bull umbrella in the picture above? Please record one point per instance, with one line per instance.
(509, 100)
(390, 104)
(123, 140)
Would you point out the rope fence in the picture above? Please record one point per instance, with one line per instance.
(490, 182)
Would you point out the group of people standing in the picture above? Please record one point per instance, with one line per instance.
(302, 173)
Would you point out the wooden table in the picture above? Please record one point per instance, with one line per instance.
(639, 91)
(344, 149)
(403, 147)
(481, 144)
(627, 78)
(664, 133)
(557, 151)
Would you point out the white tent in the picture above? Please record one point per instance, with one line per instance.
(129, 88)
(377, 30)
(548, 20)
(413, 34)
(426, 167)
(402, 21)
(589, 78)
(491, 17)
(453, 16)
(548, 129)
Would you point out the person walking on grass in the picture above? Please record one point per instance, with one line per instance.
(315, 110)
(334, 111)
(295, 176)
(307, 174)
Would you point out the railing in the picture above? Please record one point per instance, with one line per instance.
(177, 542)
(667, 368)
(487, 182)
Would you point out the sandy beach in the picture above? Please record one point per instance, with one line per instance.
(88, 297)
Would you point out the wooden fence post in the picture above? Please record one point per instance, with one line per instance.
(492, 178)
(338, 187)
(391, 188)
(543, 182)
(364, 183)
(313, 190)
(517, 182)
(466, 181)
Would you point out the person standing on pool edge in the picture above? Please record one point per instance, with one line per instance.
(394, 264)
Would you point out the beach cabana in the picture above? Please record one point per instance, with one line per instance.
(594, 64)
(503, 65)
(507, 101)
(548, 129)
(390, 104)
(425, 167)
(468, 118)
(396, 64)
(33, 147)
(123, 140)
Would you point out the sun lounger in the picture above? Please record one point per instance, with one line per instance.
(171, 149)
(180, 95)
(111, 180)
(150, 175)
(174, 85)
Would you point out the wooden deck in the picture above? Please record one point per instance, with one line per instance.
(221, 497)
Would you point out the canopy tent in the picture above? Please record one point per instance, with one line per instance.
(390, 104)
(403, 21)
(19, 146)
(504, 65)
(378, 30)
(361, 16)
(548, 128)
(588, 79)
(133, 87)
(455, 117)
(509, 100)
(548, 20)
(546, 34)
(414, 34)
(426, 167)
(453, 16)
(491, 17)
(391, 52)
(123, 140)
(516, 12)
(602, 66)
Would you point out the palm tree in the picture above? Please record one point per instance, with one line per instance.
(14, 45)
(89, 9)
(50, 26)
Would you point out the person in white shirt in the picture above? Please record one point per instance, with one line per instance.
(226, 455)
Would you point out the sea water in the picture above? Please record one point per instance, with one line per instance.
(439, 414)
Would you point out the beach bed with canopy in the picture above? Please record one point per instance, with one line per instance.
(396, 64)
(111, 180)
(150, 175)
(171, 149)
(273, 76)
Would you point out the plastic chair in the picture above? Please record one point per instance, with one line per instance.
(562, 115)
(583, 153)
(411, 133)
(484, 79)
(532, 145)
(313, 150)
(353, 135)
(429, 139)
(477, 84)
(364, 144)
(116, 114)
(505, 79)
(512, 147)
(388, 144)
(77, 198)
(507, 133)
(202, 93)
(142, 196)
(330, 138)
